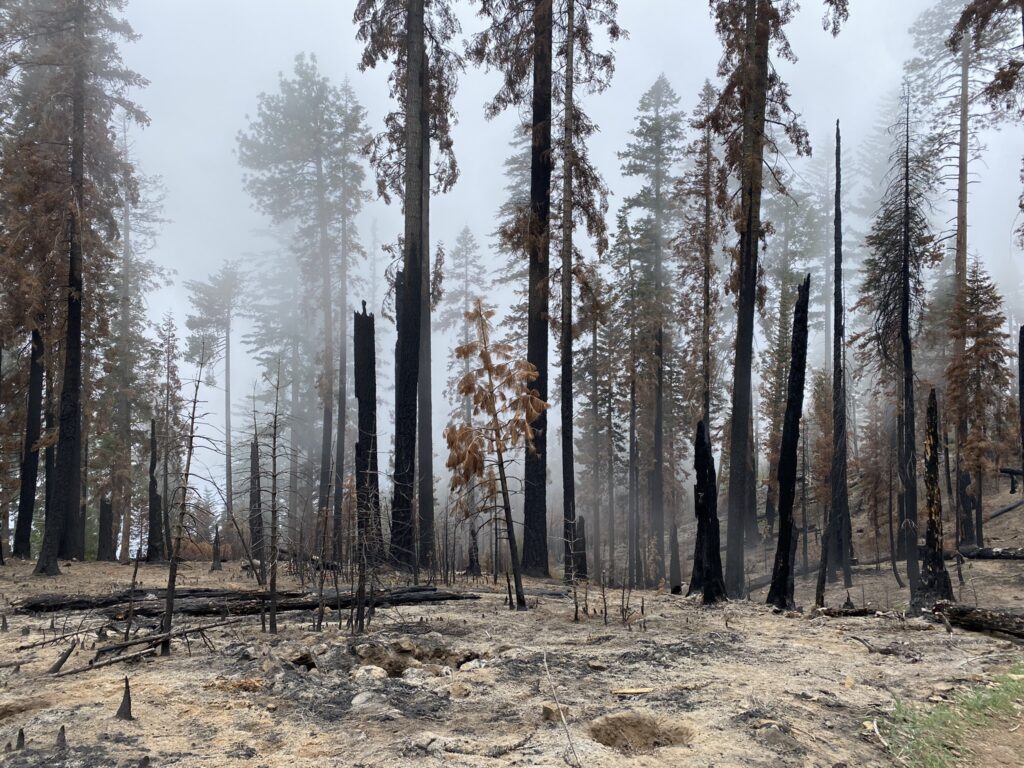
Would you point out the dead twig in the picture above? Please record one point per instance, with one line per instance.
(561, 712)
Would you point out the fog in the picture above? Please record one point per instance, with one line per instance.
(206, 63)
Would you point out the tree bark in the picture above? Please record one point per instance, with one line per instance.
(409, 298)
(30, 452)
(535, 534)
(67, 483)
(781, 592)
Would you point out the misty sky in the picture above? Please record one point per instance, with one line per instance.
(208, 59)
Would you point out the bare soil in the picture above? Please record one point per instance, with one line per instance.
(472, 684)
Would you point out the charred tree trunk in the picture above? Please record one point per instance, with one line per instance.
(368, 545)
(595, 415)
(535, 534)
(105, 536)
(908, 465)
(580, 549)
(753, 99)
(1020, 391)
(425, 555)
(781, 592)
(840, 505)
(67, 483)
(979, 508)
(30, 452)
(935, 583)
(705, 494)
(675, 572)
(566, 392)
(257, 545)
(634, 560)
(155, 540)
(216, 564)
(409, 297)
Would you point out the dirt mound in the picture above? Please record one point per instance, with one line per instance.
(631, 732)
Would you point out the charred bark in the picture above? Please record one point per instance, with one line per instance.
(705, 495)
(368, 532)
(675, 573)
(257, 545)
(935, 583)
(781, 592)
(535, 534)
(753, 100)
(30, 452)
(409, 297)
(105, 551)
(155, 539)
(840, 506)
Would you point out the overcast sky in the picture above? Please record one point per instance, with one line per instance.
(207, 60)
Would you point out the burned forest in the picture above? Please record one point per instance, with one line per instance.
(493, 383)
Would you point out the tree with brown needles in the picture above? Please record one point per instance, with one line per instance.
(502, 394)
(979, 380)
(61, 175)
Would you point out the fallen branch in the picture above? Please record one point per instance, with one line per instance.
(108, 662)
(154, 639)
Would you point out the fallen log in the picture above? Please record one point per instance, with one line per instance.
(218, 602)
(52, 603)
(248, 606)
(981, 619)
(992, 553)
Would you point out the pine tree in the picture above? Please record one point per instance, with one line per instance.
(215, 305)
(303, 152)
(466, 277)
(652, 156)
(979, 380)
(901, 245)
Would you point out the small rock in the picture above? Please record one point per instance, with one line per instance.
(430, 743)
(404, 645)
(368, 672)
(598, 665)
(549, 712)
(469, 666)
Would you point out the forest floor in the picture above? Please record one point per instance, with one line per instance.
(470, 683)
